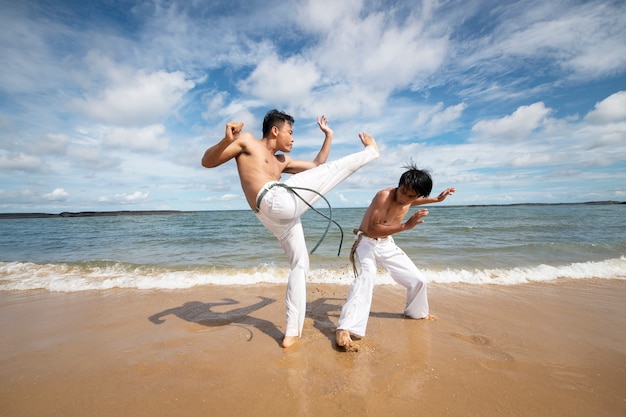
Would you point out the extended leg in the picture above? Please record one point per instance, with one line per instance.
(325, 177)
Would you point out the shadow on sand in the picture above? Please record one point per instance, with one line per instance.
(201, 313)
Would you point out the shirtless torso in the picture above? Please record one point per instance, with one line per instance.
(386, 212)
(257, 166)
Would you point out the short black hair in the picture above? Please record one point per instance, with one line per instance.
(276, 118)
(418, 180)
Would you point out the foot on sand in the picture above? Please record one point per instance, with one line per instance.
(289, 341)
(428, 317)
(344, 341)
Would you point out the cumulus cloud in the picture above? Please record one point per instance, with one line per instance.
(132, 97)
(58, 194)
(225, 197)
(135, 197)
(560, 40)
(50, 144)
(281, 81)
(147, 139)
(89, 157)
(20, 162)
(324, 15)
(359, 55)
(611, 109)
(437, 119)
(514, 126)
(378, 51)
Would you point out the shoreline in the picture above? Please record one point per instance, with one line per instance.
(548, 349)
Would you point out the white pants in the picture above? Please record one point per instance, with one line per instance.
(355, 312)
(280, 212)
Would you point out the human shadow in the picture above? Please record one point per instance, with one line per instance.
(201, 313)
(321, 311)
(385, 315)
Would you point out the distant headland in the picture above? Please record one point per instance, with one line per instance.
(92, 214)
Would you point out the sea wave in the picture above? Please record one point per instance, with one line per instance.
(67, 277)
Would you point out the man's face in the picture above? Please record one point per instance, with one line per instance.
(284, 137)
(405, 195)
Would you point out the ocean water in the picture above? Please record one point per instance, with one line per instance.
(506, 245)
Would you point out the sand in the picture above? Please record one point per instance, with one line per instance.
(555, 349)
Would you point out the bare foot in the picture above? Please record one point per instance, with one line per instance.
(289, 341)
(428, 317)
(344, 341)
(367, 140)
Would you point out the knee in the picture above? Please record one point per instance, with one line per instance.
(417, 284)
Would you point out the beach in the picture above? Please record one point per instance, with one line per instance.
(539, 349)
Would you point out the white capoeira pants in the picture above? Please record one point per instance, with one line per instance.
(280, 211)
(355, 312)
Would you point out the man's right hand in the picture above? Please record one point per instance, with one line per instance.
(416, 219)
(232, 130)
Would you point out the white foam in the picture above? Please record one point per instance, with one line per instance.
(18, 276)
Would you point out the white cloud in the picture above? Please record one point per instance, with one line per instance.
(437, 119)
(612, 138)
(515, 126)
(325, 15)
(132, 97)
(89, 157)
(216, 102)
(371, 49)
(533, 159)
(58, 194)
(20, 162)
(531, 47)
(281, 81)
(611, 109)
(50, 144)
(135, 197)
(225, 197)
(147, 139)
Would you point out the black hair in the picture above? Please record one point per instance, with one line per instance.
(418, 180)
(276, 118)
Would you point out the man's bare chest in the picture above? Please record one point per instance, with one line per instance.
(394, 214)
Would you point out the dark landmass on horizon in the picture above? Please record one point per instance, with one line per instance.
(93, 214)
(172, 212)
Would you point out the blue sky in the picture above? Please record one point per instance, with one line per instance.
(109, 105)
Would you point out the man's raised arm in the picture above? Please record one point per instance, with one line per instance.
(223, 151)
(438, 199)
(298, 166)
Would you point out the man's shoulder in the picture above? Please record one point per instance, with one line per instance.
(248, 143)
(385, 192)
(247, 137)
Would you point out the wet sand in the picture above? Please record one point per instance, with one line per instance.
(555, 349)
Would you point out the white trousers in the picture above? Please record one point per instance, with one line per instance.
(355, 312)
(280, 212)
